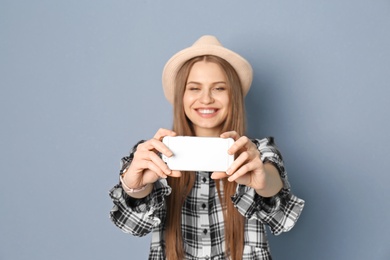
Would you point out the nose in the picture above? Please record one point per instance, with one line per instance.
(206, 98)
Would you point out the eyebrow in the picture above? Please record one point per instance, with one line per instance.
(198, 83)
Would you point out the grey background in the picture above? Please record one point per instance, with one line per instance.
(81, 83)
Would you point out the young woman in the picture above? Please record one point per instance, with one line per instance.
(206, 215)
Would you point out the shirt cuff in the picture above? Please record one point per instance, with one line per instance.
(279, 212)
(155, 200)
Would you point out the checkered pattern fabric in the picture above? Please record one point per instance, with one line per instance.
(202, 217)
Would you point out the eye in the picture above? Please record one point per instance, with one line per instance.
(192, 87)
(220, 88)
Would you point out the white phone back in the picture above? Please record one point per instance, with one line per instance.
(198, 153)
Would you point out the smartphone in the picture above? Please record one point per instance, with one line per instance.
(198, 153)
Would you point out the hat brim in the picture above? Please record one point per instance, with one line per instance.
(171, 68)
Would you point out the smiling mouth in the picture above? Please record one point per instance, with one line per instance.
(207, 111)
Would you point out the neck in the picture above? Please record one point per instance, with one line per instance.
(207, 132)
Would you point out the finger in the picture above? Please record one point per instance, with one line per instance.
(149, 176)
(160, 163)
(247, 162)
(218, 175)
(137, 179)
(238, 162)
(141, 162)
(244, 170)
(243, 158)
(153, 167)
(241, 143)
(155, 145)
(175, 174)
(230, 134)
(163, 132)
(144, 165)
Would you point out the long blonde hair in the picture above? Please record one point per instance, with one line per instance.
(181, 187)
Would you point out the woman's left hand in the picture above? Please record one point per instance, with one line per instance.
(248, 169)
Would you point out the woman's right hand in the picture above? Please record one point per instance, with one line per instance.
(147, 166)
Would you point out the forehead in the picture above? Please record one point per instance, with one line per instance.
(204, 70)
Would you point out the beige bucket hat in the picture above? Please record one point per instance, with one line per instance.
(205, 45)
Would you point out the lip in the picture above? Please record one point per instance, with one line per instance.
(206, 112)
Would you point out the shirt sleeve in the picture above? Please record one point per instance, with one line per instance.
(279, 212)
(138, 216)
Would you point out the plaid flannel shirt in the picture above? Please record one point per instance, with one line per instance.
(202, 217)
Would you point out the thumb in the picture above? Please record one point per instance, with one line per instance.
(175, 174)
(218, 175)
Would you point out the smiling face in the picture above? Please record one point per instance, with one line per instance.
(206, 98)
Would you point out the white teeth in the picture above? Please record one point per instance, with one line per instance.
(206, 111)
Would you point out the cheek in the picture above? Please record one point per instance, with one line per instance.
(226, 102)
(187, 100)
(186, 104)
